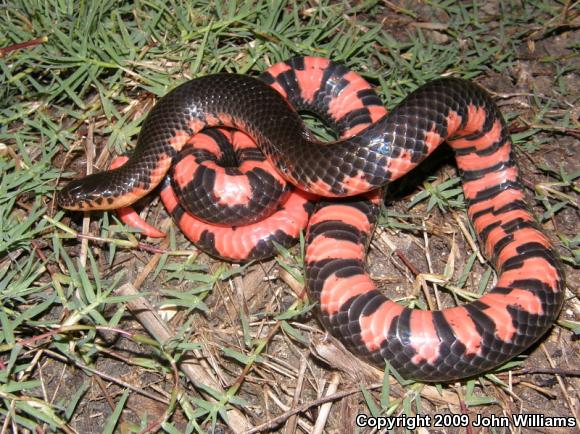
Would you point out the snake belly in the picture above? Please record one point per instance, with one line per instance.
(437, 346)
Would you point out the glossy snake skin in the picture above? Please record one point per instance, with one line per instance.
(375, 149)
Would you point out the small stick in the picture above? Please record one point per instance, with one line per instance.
(567, 398)
(31, 43)
(325, 408)
(147, 316)
(90, 146)
(293, 420)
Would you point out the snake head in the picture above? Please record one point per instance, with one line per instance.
(88, 193)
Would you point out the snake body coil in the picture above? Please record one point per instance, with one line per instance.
(430, 346)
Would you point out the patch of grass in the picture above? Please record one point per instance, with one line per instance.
(100, 65)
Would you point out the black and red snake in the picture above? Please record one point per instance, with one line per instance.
(375, 148)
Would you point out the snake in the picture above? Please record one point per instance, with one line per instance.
(374, 149)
